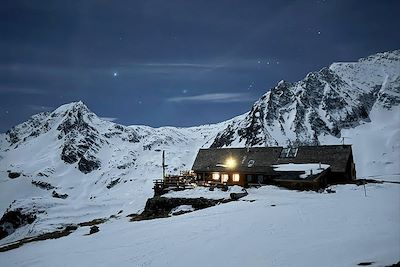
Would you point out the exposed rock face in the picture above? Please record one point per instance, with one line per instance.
(29, 129)
(88, 164)
(76, 130)
(158, 207)
(14, 219)
(81, 140)
(323, 103)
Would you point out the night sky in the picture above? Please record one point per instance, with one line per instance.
(179, 63)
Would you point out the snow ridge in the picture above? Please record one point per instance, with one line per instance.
(337, 97)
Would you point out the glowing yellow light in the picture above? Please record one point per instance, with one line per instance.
(230, 163)
(215, 176)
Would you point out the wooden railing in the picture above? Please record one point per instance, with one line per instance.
(173, 182)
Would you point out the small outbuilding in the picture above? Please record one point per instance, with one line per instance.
(303, 167)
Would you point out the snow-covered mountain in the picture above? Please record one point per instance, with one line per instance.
(338, 97)
(356, 102)
(100, 167)
(69, 166)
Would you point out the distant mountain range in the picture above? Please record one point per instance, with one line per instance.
(103, 168)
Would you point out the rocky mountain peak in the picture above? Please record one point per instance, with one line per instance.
(81, 139)
(324, 102)
(74, 127)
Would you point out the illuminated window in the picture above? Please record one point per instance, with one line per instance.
(225, 178)
(236, 177)
(215, 176)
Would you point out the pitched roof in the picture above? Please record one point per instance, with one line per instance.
(260, 159)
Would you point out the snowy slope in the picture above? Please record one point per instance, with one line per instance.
(105, 168)
(302, 229)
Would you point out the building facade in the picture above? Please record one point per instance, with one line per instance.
(303, 166)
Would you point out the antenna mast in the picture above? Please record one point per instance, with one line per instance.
(163, 164)
(343, 137)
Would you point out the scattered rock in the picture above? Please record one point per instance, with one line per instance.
(57, 195)
(236, 196)
(93, 222)
(366, 181)
(42, 185)
(125, 166)
(94, 229)
(367, 263)
(113, 183)
(13, 175)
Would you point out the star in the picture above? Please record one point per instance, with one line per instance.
(115, 74)
(259, 62)
(184, 91)
(319, 32)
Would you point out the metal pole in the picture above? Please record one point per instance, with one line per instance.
(163, 164)
(365, 190)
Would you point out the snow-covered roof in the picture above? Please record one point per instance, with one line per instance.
(309, 169)
(261, 159)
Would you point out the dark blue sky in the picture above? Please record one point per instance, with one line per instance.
(180, 63)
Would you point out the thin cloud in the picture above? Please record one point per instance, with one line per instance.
(21, 90)
(183, 65)
(214, 98)
(108, 119)
(39, 108)
(182, 68)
